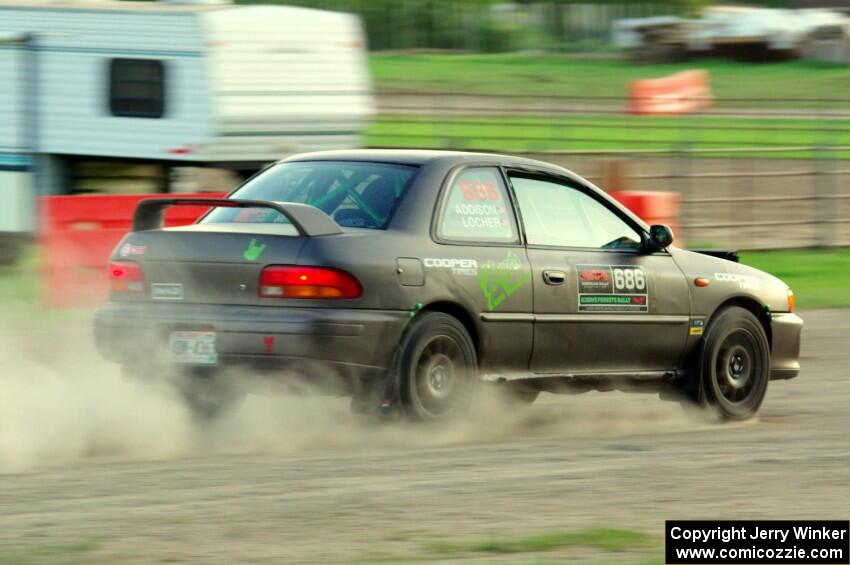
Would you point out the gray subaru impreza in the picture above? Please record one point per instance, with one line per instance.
(405, 279)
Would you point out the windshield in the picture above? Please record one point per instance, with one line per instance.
(354, 194)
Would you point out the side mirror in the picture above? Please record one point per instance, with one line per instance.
(660, 237)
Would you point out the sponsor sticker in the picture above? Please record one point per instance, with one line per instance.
(745, 282)
(612, 288)
(481, 207)
(696, 326)
(483, 191)
(498, 281)
(253, 252)
(129, 249)
(457, 266)
(166, 291)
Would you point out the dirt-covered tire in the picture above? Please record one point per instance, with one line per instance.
(438, 369)
(733, 365)
(205, 391)
(366, 401)
(208, 393)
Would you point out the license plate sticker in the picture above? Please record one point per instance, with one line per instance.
(193, 347)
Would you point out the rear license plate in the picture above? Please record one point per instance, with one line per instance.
(193, 347)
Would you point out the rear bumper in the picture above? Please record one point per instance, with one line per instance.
(351, 340)
(785, 350)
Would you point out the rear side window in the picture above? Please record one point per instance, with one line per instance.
(137, 88)
(354, 194)
(477, 208)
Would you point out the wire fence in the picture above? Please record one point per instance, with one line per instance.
(751, 174)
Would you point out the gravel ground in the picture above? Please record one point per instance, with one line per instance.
(99, 471)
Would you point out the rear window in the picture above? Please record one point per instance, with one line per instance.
(354, 194)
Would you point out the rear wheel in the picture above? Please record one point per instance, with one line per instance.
(438, 368)
(208, 393)
(733, 366)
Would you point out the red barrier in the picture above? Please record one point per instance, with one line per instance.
(78, 234)
(679, 93)
(652, 207)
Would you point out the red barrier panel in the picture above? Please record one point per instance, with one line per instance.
(680, 93)
(78, 234)
(652, 207)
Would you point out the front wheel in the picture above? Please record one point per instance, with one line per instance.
(517, 395)
(734, 364)
(437, 368)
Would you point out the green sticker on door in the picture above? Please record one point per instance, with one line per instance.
(498, 281)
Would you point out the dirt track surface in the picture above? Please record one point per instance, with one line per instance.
(299, 481)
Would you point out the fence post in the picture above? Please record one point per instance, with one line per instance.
(680, 173)
(825, 204)
(450, 121)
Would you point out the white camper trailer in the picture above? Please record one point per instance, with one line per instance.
(169, 83)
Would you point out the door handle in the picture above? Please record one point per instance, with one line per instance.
(554, 277)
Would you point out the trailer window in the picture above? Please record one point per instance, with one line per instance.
(136, 88)
(354, 194)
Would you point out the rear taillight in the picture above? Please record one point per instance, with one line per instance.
(307, 282)
(126, 276)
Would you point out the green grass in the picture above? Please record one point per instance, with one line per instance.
(564, 76)
(819, 279)
(604, 82)
(608, 539)
(61, 552)
(611, 132)
(543, 547)
(20, 300)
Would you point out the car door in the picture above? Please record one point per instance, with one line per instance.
(601, 303)
(478, 261)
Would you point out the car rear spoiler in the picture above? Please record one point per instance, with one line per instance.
(308, 220)
(728, 254)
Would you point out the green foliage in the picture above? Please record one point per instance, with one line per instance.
(71, 552)
(492, 25)
(467, 25)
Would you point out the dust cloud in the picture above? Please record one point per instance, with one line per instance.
(60, 404)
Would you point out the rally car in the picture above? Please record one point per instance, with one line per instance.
(408, 278)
